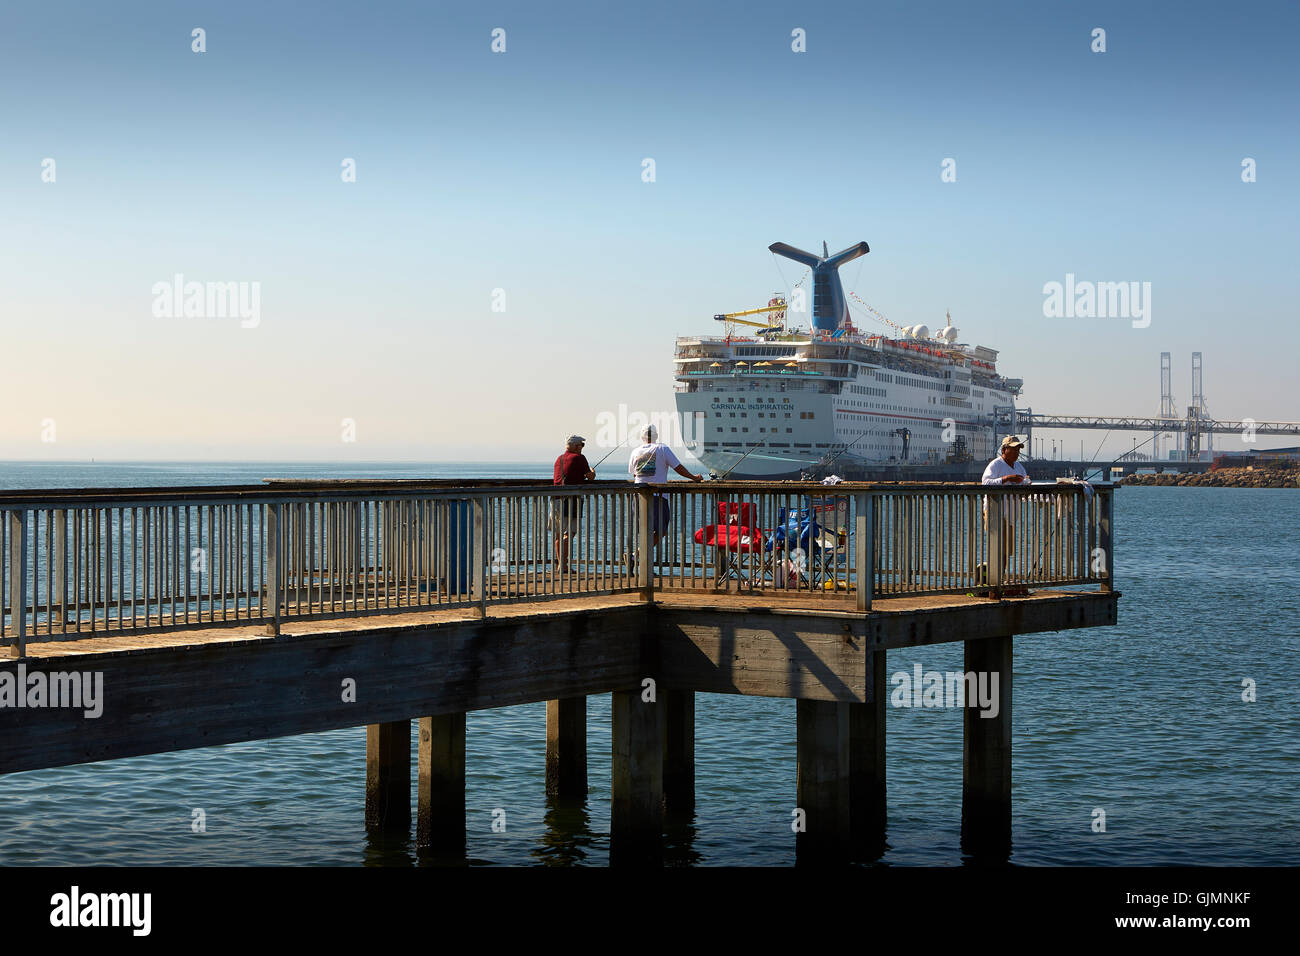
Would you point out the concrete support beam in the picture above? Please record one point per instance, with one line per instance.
(566, 749)
(822, 784)
(679, 752)
(636, 811)
(986, 757)
(440, 820)
(867, 801)
(388, 776)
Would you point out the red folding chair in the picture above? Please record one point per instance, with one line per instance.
(733, 536)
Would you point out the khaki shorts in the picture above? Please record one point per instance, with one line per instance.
(565, 518)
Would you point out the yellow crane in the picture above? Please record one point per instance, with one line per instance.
(734, 318)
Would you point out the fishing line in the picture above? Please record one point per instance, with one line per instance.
(1133, 449)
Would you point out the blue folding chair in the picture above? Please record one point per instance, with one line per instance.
(796, 531)
(823, 549)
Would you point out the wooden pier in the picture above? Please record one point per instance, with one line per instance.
(217, 615)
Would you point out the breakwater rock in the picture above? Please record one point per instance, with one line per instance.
(1264, 475)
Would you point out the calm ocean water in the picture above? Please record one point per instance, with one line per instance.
(1143, 720)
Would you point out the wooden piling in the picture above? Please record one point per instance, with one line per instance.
(986, 757)
(867, 801)
(679, 752)
(388, 776)
(637, 770)
(822, 782)
(566, 749)
(440, 819)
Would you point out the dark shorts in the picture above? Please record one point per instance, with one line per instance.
(660, 515)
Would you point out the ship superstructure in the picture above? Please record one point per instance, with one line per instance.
(776, 402)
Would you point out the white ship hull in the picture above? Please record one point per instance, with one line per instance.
(815, 398)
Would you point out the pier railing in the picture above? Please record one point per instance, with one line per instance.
(109, 561)
(882, 540)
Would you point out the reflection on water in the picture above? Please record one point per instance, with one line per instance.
(680, 833)
(567, 838)
(427, 856)
(388, 849)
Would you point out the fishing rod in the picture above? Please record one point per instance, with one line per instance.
(752, 448)
(1042, 551)
(609, 453)
(1088, 474)
(714, 476)
(833, 458)
(784, 459)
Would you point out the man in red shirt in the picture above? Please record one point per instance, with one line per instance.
(571, 468)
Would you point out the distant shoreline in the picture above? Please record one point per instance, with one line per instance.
(1282, 475)
(222, 462)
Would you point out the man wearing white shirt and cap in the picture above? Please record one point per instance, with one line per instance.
(649, 464)
(1007, 470)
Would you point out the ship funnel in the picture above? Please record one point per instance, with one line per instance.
(830, 309)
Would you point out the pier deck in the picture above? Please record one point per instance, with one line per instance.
(895, 619)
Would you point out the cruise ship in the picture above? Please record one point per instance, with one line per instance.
(767, 400)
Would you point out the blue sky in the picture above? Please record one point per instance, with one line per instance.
(521, 171)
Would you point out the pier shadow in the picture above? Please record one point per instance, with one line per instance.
(388, 848)
(567, 838)
(680, 834)
(860, 850)
(869, 849)
(991, 850)
(441, 856)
